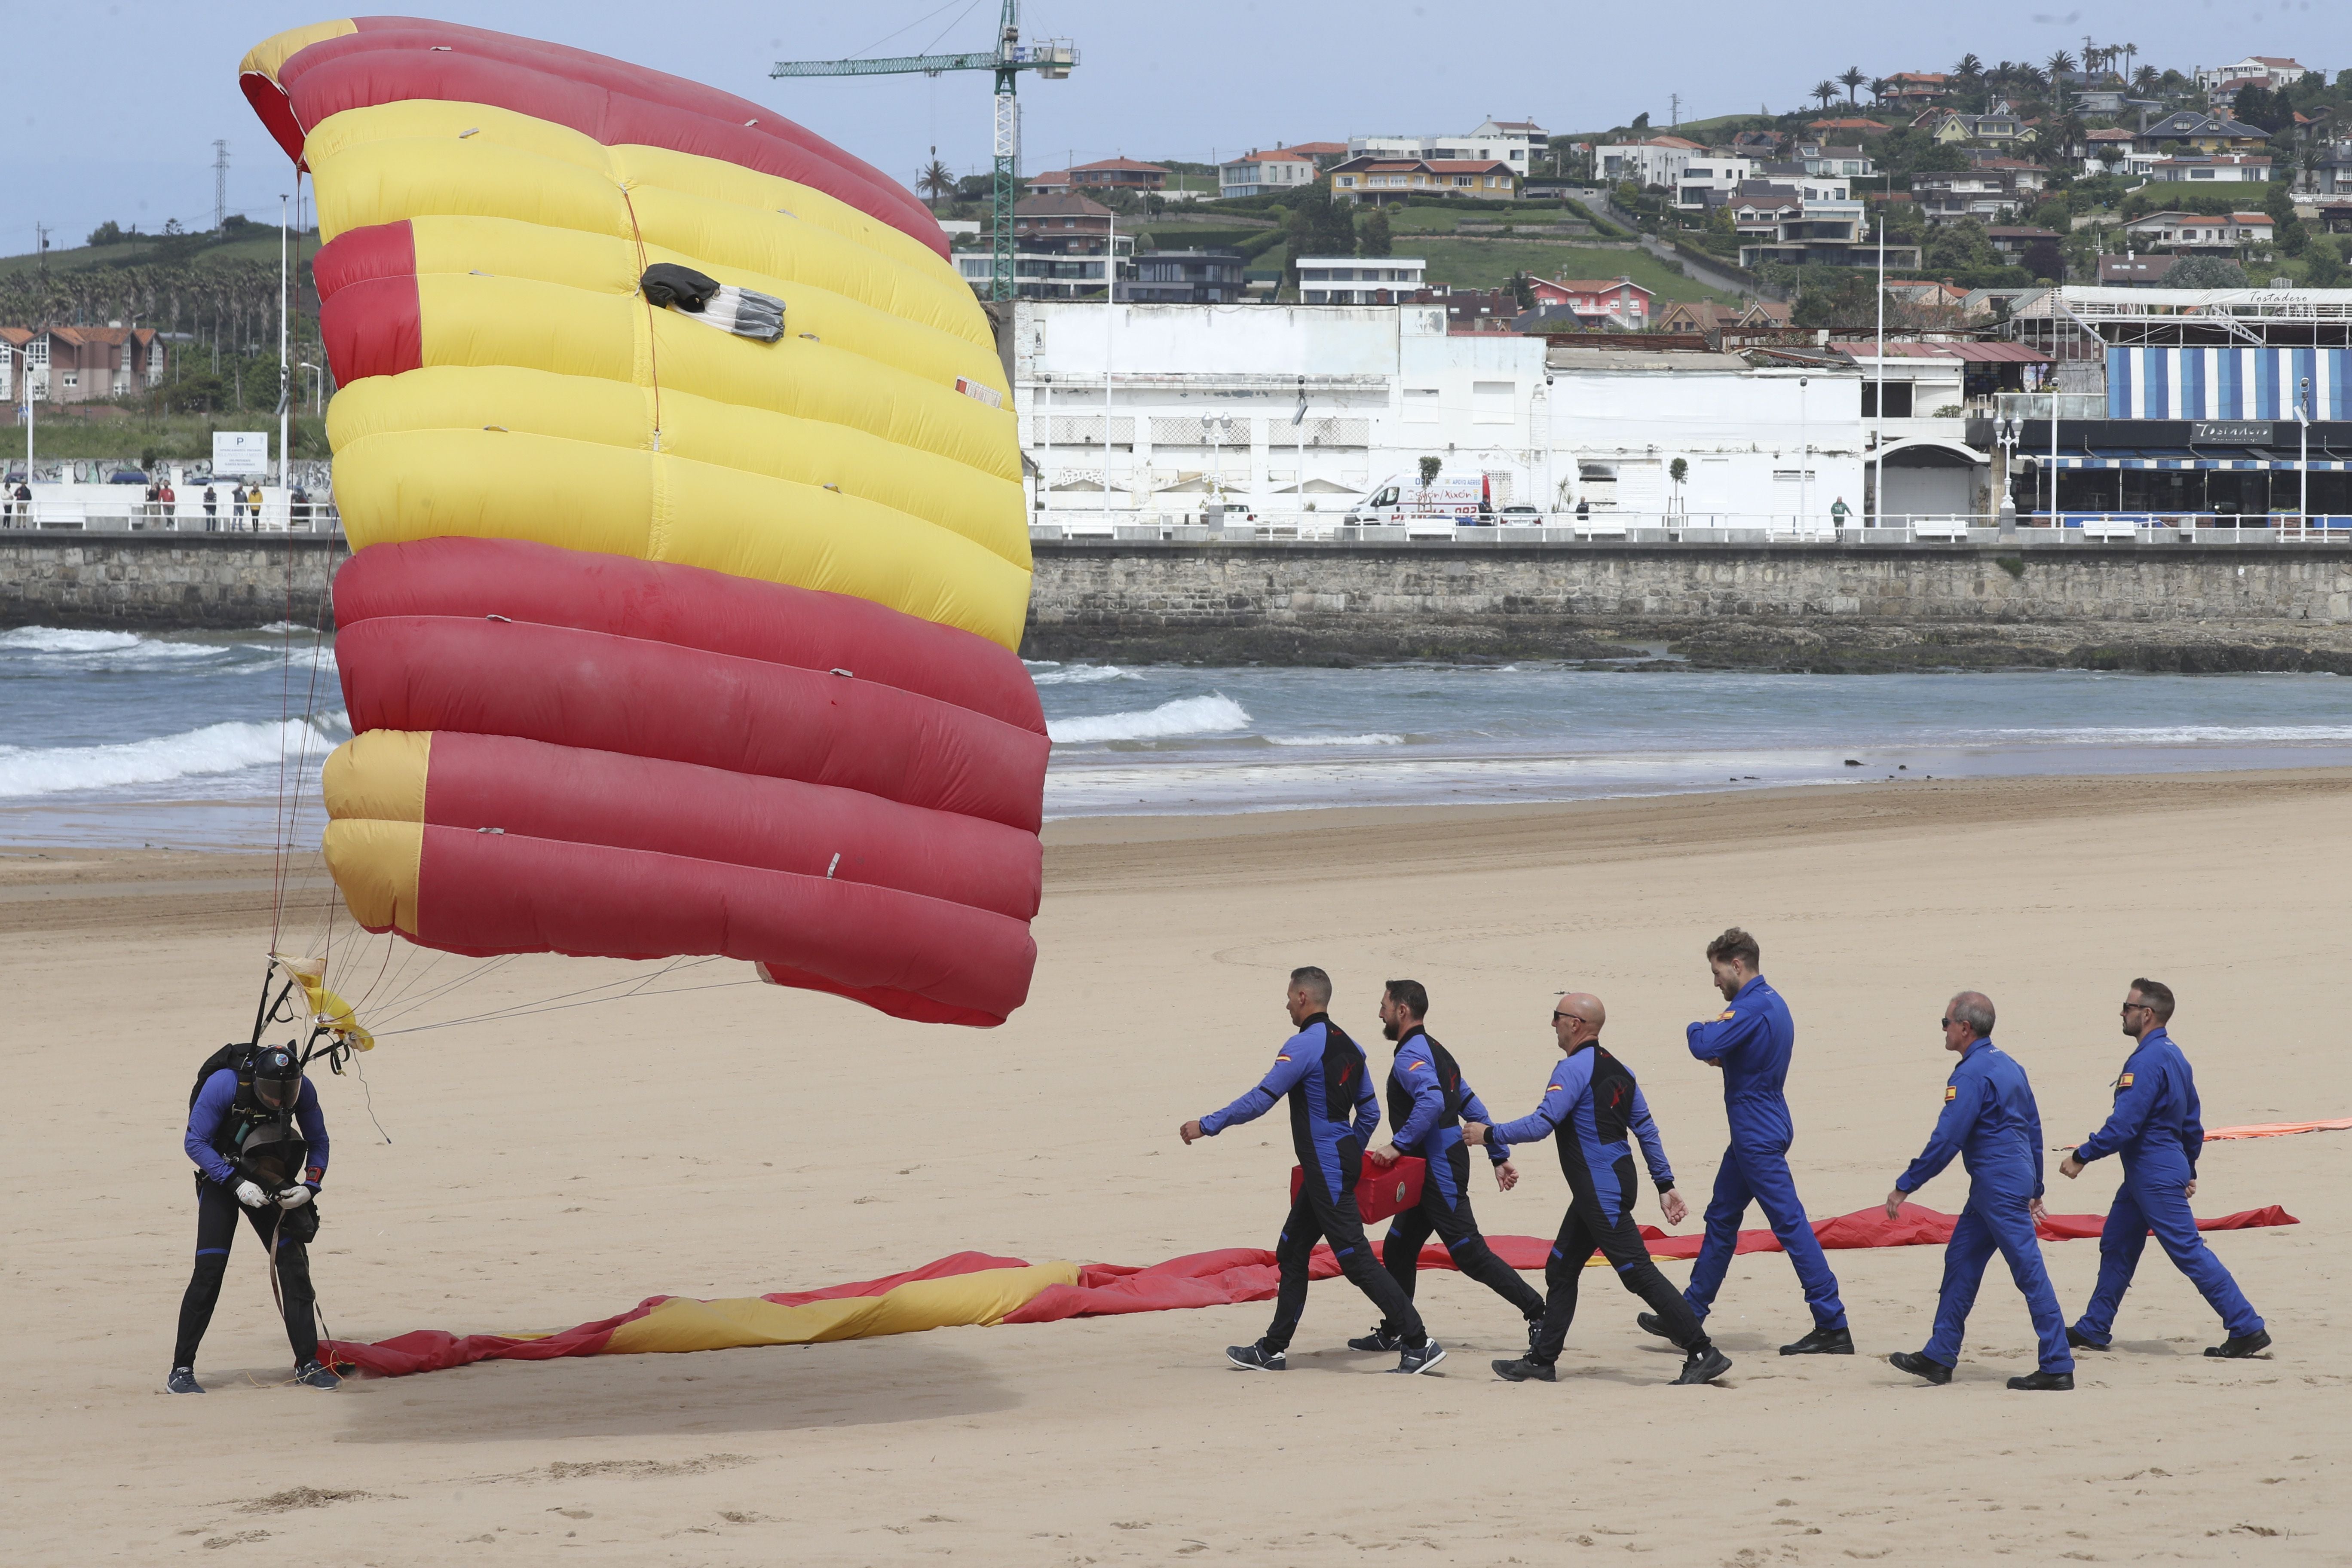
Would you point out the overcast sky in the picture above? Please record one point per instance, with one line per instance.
(116, 103)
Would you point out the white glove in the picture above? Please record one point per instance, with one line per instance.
(250, 1195)
(294, 1197)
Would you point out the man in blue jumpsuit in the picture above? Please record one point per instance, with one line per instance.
(2156, 1131)
(1589, 1104)
(1428, 1098)
(259, 1142)
(1991, 1122)
(1333, 1114)
(1751, 1041)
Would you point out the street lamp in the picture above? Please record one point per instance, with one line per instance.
(2303, 455)
(318, 387)
(1804, 457)
(2006, 429)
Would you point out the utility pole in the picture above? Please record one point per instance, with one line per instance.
(220, 186)
(1674, 103)
(41, 233)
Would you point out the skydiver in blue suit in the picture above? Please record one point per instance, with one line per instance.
(1751, 1041)
(1333, 1114)
(2157, 1131)
(1991, 1121)
(1589, 1104)
(1428, 1100)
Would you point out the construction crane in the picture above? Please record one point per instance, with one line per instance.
(1050, 59)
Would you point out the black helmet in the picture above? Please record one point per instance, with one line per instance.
(277, 1077)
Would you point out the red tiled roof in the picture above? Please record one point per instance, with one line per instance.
(1595, 285)
(1465, 165)
(1977, 354)
(1119, 163)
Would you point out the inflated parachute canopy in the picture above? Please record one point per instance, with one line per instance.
(691, 556)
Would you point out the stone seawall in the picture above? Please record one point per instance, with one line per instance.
(1819, 606)
(165, 582)
(1826, 607)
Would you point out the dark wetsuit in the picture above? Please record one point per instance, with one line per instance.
(1333, 1113)
(211, 1121)
(1427, 1101)
(1589, 1104)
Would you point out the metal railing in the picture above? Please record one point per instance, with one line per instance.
(278, 513)
(1608, 526)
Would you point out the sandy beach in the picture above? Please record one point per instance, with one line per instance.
(557, 1167)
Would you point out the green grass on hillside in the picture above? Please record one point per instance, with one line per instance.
(260, 245)
(1487, 263)
(174, 437)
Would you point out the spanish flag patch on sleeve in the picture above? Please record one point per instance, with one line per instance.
(1725, 1015)
(2125, 1081)
(1952, 1092)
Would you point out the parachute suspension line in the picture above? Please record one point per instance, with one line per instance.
(360, 1069)
(434, 994)
(631, 987)
(495, 1012)
(565, 1007)
(265, 1013)
(653, 360)
(280, 841)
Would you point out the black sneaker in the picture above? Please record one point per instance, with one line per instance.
(2239, 1346)
(1257, 1358)
(2075, 1338)
(1918, 1365)
(1650, 1323)
(1379, 1339)
(1525, 1370)
(1704, 1365)
(2039, 1381)
(310, 1375)
(1823, 1341)
(182, 1381)
(1414, 1360)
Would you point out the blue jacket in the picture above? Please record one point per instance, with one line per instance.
(1592, 1126)
(1989, 1120)
(2155, 1114)
(1751, 1040)
(214, 1103)
(1426, 1107)
(1333, 1110)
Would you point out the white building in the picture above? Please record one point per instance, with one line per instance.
(2253, 67)
(1143, 414)
(1352, 281)
(1659, 161)
(1709, 179)
(1264, 173)
(1513, 141)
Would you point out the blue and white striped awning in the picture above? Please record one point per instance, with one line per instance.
(2144, 461)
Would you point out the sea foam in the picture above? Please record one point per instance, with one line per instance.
(215, 749)
(1213, 714)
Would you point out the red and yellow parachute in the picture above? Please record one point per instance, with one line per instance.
(660, 639)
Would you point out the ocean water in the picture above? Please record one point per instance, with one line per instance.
(1167, 738)
(216, 739)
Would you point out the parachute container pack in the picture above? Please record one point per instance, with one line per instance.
(691, 557)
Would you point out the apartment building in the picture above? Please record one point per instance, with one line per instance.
(1371, 181)
(1348, 280)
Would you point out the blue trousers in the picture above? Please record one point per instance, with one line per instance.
(1997, 1221)
(1759, 1173)
(2152, 1198)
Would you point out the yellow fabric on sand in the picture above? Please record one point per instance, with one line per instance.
(978, 1299)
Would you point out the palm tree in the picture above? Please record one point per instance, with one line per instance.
(1826, 90)
(937, 181)
(1970, 69)
(1879, 88)
(2145, 80)
(2058, 64)
(1853, 77)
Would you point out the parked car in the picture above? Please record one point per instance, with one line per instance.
(128, 477)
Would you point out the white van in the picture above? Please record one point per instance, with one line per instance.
(1442, 503)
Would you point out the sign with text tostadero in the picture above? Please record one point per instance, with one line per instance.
(2224, 433)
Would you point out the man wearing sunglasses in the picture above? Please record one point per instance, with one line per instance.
(1333, 1114)
(1991, 1121)
(1428, 1098)
(1589, 1106)
(2157, 1131)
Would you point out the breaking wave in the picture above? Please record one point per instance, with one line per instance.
(1213, 714)
(215, 749)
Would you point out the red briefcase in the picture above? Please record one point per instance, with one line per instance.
(1382, 1194)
